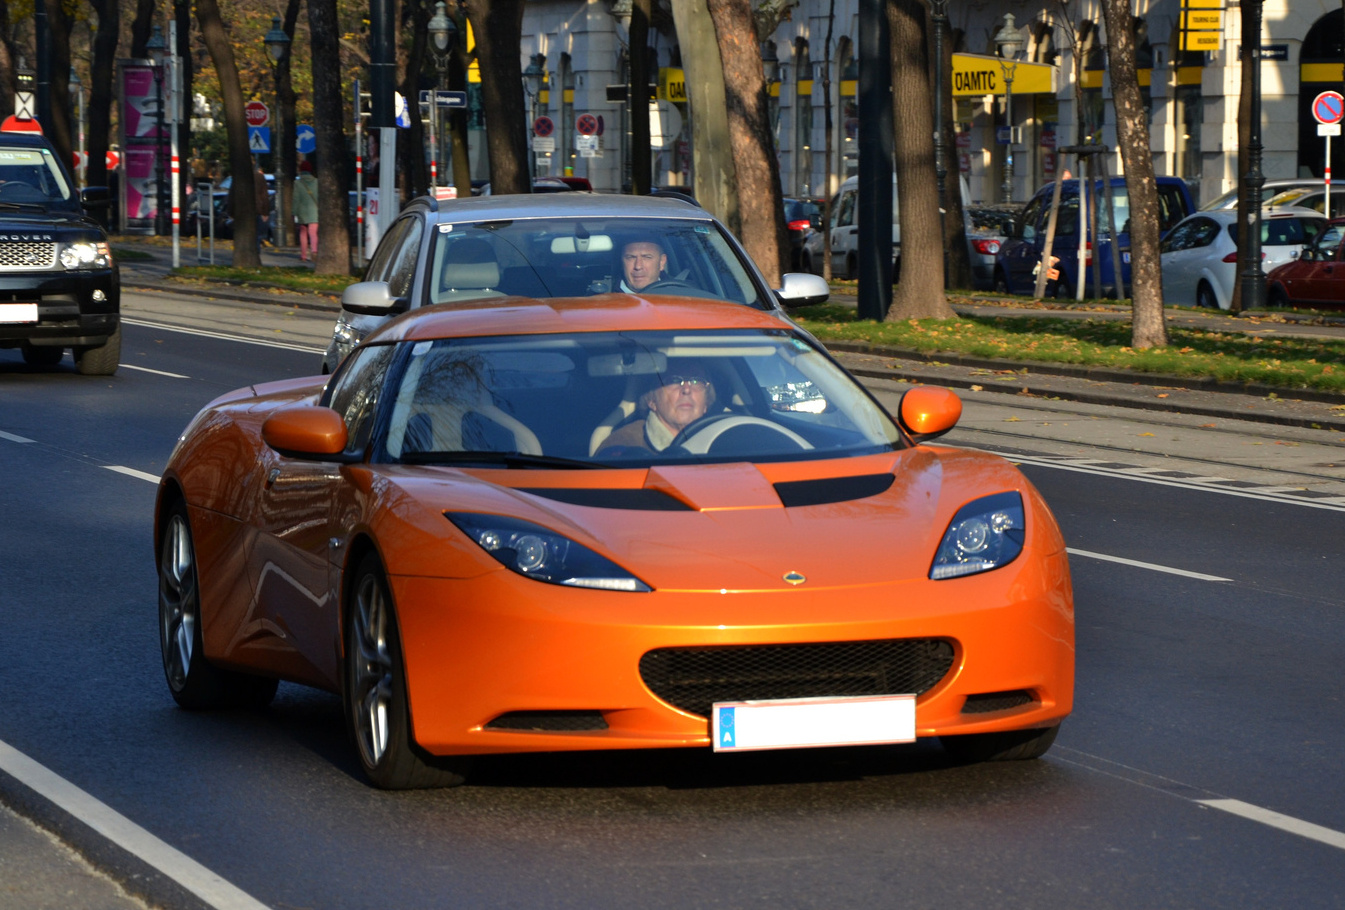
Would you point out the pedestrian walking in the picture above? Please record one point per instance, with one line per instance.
(263, 199)
(306, 211)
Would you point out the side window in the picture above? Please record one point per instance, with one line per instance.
(1170, 208)
(1179, 239)
(1029, 218)
(387, 251)
(1205, 232)
(845, 213)
(354, 390)
(402, 269)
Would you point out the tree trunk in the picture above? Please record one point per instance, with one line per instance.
(283, 152)
(919, 294)
(760, 202)
(1148, 328)
(954, 221)
(142, 26)
(457, 117)
(641, 178)
(411, 163)
(829, 125)
(498, 25)
(101, 75)
(324, 31)
(243, 190)
(59, 130)
(715, 180)
(186, 64)
(1246, 203)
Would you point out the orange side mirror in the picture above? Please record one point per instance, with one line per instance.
(305, 431)
(929, 411)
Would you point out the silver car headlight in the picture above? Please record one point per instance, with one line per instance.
(345, 334)
(86, 254)
(534, 552)
(984, 534)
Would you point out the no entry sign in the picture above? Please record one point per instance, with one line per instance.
(1328, 107)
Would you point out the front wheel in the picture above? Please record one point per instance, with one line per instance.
(100, 360)
(377, 710)
(1014, 745)
(41, 356)
(1205, 298)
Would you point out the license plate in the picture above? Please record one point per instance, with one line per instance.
(1125, 257)
(18, 312)
(803, 723)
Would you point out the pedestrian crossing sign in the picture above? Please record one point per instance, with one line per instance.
(259, 139)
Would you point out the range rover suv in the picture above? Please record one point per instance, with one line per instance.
(59, 287)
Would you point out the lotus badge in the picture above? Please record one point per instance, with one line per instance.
(794, 578)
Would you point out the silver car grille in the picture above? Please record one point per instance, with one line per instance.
(26, 256)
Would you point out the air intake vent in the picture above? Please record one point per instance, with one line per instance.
(633, 500)
(986, 702)
(549, 721)
(795, 493)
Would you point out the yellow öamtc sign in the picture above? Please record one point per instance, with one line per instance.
(981, 74)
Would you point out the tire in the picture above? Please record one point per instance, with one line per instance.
(806, 263)
(41, 356)
(1015, 745)
(1205, 298)
(851, 266)
(1001, 285)
(377, 711)
(1276, 298)
(101, 360)
(193, 681)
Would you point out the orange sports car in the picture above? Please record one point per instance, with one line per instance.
(605, 523)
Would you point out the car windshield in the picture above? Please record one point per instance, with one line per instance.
(575, 257)
(30, 176)
(621, 399)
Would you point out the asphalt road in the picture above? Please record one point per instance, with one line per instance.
(1200, 768)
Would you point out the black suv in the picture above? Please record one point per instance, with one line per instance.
(59, 287)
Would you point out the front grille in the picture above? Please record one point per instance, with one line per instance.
(693, 679)
(549, 721)
(23, 255)
(986, 702)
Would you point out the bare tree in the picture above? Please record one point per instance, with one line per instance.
(243, 190)
(919, 293)
(760, 201)
(142, 26)
(716, 183)
(59, 130)
(1148, 328)
(411, 164)
(954, 223)
(324, 31)
(100, 87)
(283, 152)
(498, 25)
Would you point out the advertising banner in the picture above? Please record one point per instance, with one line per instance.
(145, 147)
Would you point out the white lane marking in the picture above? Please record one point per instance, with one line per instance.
(12, 438)
(127, 366)
(120, 830)
(132, 472)
(1336, 504)
(1144, 565)
(1276, 820)
(223, 336)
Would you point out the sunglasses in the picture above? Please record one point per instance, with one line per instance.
(696, 382)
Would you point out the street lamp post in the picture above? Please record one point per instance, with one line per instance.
(939, 15)
(442, 32)
(1009, 41)
(278, 47)
(157, 49)
(532, 82)
(1254, 277)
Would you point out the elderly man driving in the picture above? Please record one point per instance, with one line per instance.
(682, 397)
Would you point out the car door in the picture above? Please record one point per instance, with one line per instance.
(1024, 251)
(1180, 254)
(1320, 278)
(844, 234)
(295, 549)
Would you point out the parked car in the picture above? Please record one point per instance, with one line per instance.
(1317, 277)
(988, 227)
(1200, 254)
(1309, 198)
(1018, 257)
(412, 535)
(802, 218)
(550, 245)
(1269, 189)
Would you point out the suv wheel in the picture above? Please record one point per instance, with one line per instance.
(41, 355)
(101, 360)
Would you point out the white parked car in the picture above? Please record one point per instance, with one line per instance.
(1269, 189)
(1200, 254)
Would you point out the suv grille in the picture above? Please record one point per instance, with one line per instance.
(693, 679)
(26, 256)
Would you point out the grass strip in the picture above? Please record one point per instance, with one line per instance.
(294, 278)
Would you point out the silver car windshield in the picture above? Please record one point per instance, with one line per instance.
(624, 399)
(576, 257)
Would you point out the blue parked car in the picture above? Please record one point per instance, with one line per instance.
(1016, 262)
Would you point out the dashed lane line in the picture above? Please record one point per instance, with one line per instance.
(1277, 820)
(215, 891)
(1153, 567)
(13, 438)
(132, 472)
(131, 366)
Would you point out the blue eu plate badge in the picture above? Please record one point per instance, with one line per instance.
(724, 727)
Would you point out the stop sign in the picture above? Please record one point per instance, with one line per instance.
(256, 113)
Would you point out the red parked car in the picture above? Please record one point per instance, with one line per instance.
(1317, 277)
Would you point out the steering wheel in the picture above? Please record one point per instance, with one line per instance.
(699, 436)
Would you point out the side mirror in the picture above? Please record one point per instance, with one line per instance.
(802, 289)
(929, 411)
(305, 431)
(95, 197)
(371, 298)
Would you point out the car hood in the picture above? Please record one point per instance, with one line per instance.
(45, 226)
(851, 522)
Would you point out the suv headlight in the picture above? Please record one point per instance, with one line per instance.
(984, 534)
(533, 551)
(345, 334)
(86, 254)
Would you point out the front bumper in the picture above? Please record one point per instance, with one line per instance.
(69, 309)
(478, 649)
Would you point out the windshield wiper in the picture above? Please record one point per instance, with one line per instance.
(508, 459)
(22, 206)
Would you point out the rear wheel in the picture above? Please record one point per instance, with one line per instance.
(36, 355)
(1205, 298)
(1001, 282)
(194, 682)
(1015, 745)
(377, 709)
(1276, 297)
(101, 360)
(851, 266)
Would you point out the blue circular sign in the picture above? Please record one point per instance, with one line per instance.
(1328, 107)
(305, 140)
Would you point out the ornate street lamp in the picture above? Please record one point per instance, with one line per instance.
(532, 83)
(1009, 41)
(939, 15)
(278, 47)
(157, 49)
(443, 34)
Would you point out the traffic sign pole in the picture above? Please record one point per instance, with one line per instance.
(1328, 109)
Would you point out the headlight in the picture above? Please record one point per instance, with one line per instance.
(86, 254)
(345, 334)
(983, 535)
(534, 552)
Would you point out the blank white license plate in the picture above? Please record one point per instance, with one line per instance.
(18, 312)
(802, 723)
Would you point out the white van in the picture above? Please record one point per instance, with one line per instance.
(845, 232)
